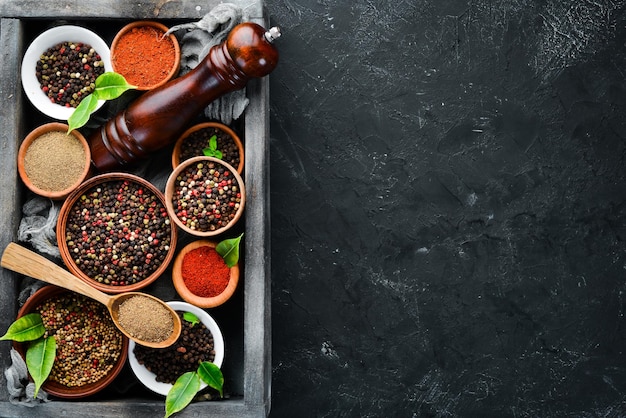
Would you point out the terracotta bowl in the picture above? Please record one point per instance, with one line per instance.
(54, 155)
(173, 185)
(46, 40)
(208, 125)
(188, 295)
(142, 54)
(56, 388)
(119, 233)
(148, 379)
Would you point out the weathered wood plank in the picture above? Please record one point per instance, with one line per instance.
(257, 327)
(115, 9)
(11, 129)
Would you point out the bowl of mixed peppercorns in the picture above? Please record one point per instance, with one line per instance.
(89, 349)
(205, 196)
(200, 340)
(115, 234)
(60, 68)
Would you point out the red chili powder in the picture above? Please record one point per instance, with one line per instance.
(204, 272)
(143, 56)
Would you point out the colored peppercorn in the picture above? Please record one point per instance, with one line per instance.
(118, 232)
(88, 343)
(67, 72)
(206, 196)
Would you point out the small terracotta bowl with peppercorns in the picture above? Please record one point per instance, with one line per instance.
(115, 234)
(197, 138)
(205, 196)
(201, 277)
(81, 325)
(53, 95)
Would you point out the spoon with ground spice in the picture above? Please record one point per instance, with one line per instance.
(143, 318)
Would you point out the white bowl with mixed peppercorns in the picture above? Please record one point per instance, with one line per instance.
(60, 67)
(200, 340)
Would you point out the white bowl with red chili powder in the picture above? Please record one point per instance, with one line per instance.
(201, 277)
(53, 163)
(144, 55)
(173, 357)
(56, 90)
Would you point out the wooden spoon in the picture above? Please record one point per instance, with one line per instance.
(29, 263)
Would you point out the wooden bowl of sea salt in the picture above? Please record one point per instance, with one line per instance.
(51, 162)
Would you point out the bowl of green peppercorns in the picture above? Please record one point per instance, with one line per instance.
(60, 67)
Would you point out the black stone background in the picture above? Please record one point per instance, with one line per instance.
(448, 208)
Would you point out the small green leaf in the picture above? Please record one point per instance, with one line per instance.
(213, 142)
(189, 317)
(229, 250)
(212, 376)
(111, 85)
(81, 114)
(211, 150)
(181, 393)
(27, 328)
(39, 360)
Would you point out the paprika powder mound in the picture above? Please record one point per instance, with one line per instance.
(204, 272)
(144, 56)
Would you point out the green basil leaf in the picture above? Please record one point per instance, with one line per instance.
(39, 360)
(111, 85)
(217, 154)
(80, 115)
(189, 317)
(212, 376)
(181, 393)
(229, 250)
(27, 328)
(213, 142)
(208, 152)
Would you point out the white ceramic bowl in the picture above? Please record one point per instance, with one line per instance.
(46, 40)
(148, 378)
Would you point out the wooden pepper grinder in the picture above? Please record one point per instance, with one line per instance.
(158, 117)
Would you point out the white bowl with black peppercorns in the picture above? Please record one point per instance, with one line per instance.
(158, 369)
(60, 66)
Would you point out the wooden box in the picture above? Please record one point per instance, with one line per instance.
(247, 322)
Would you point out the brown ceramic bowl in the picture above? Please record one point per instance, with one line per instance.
(138, 54)
(213, 126)
(54, 161)
(56, 388)
(183, 290)
(173, 188)
(111, 232)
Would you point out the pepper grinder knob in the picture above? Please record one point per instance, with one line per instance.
(272, 34)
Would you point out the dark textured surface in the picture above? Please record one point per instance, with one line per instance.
(448, 207)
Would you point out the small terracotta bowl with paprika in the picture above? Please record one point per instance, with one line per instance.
(144, 56)
(52, 163)
(83, 312)
(192, 142)
(199, 267)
